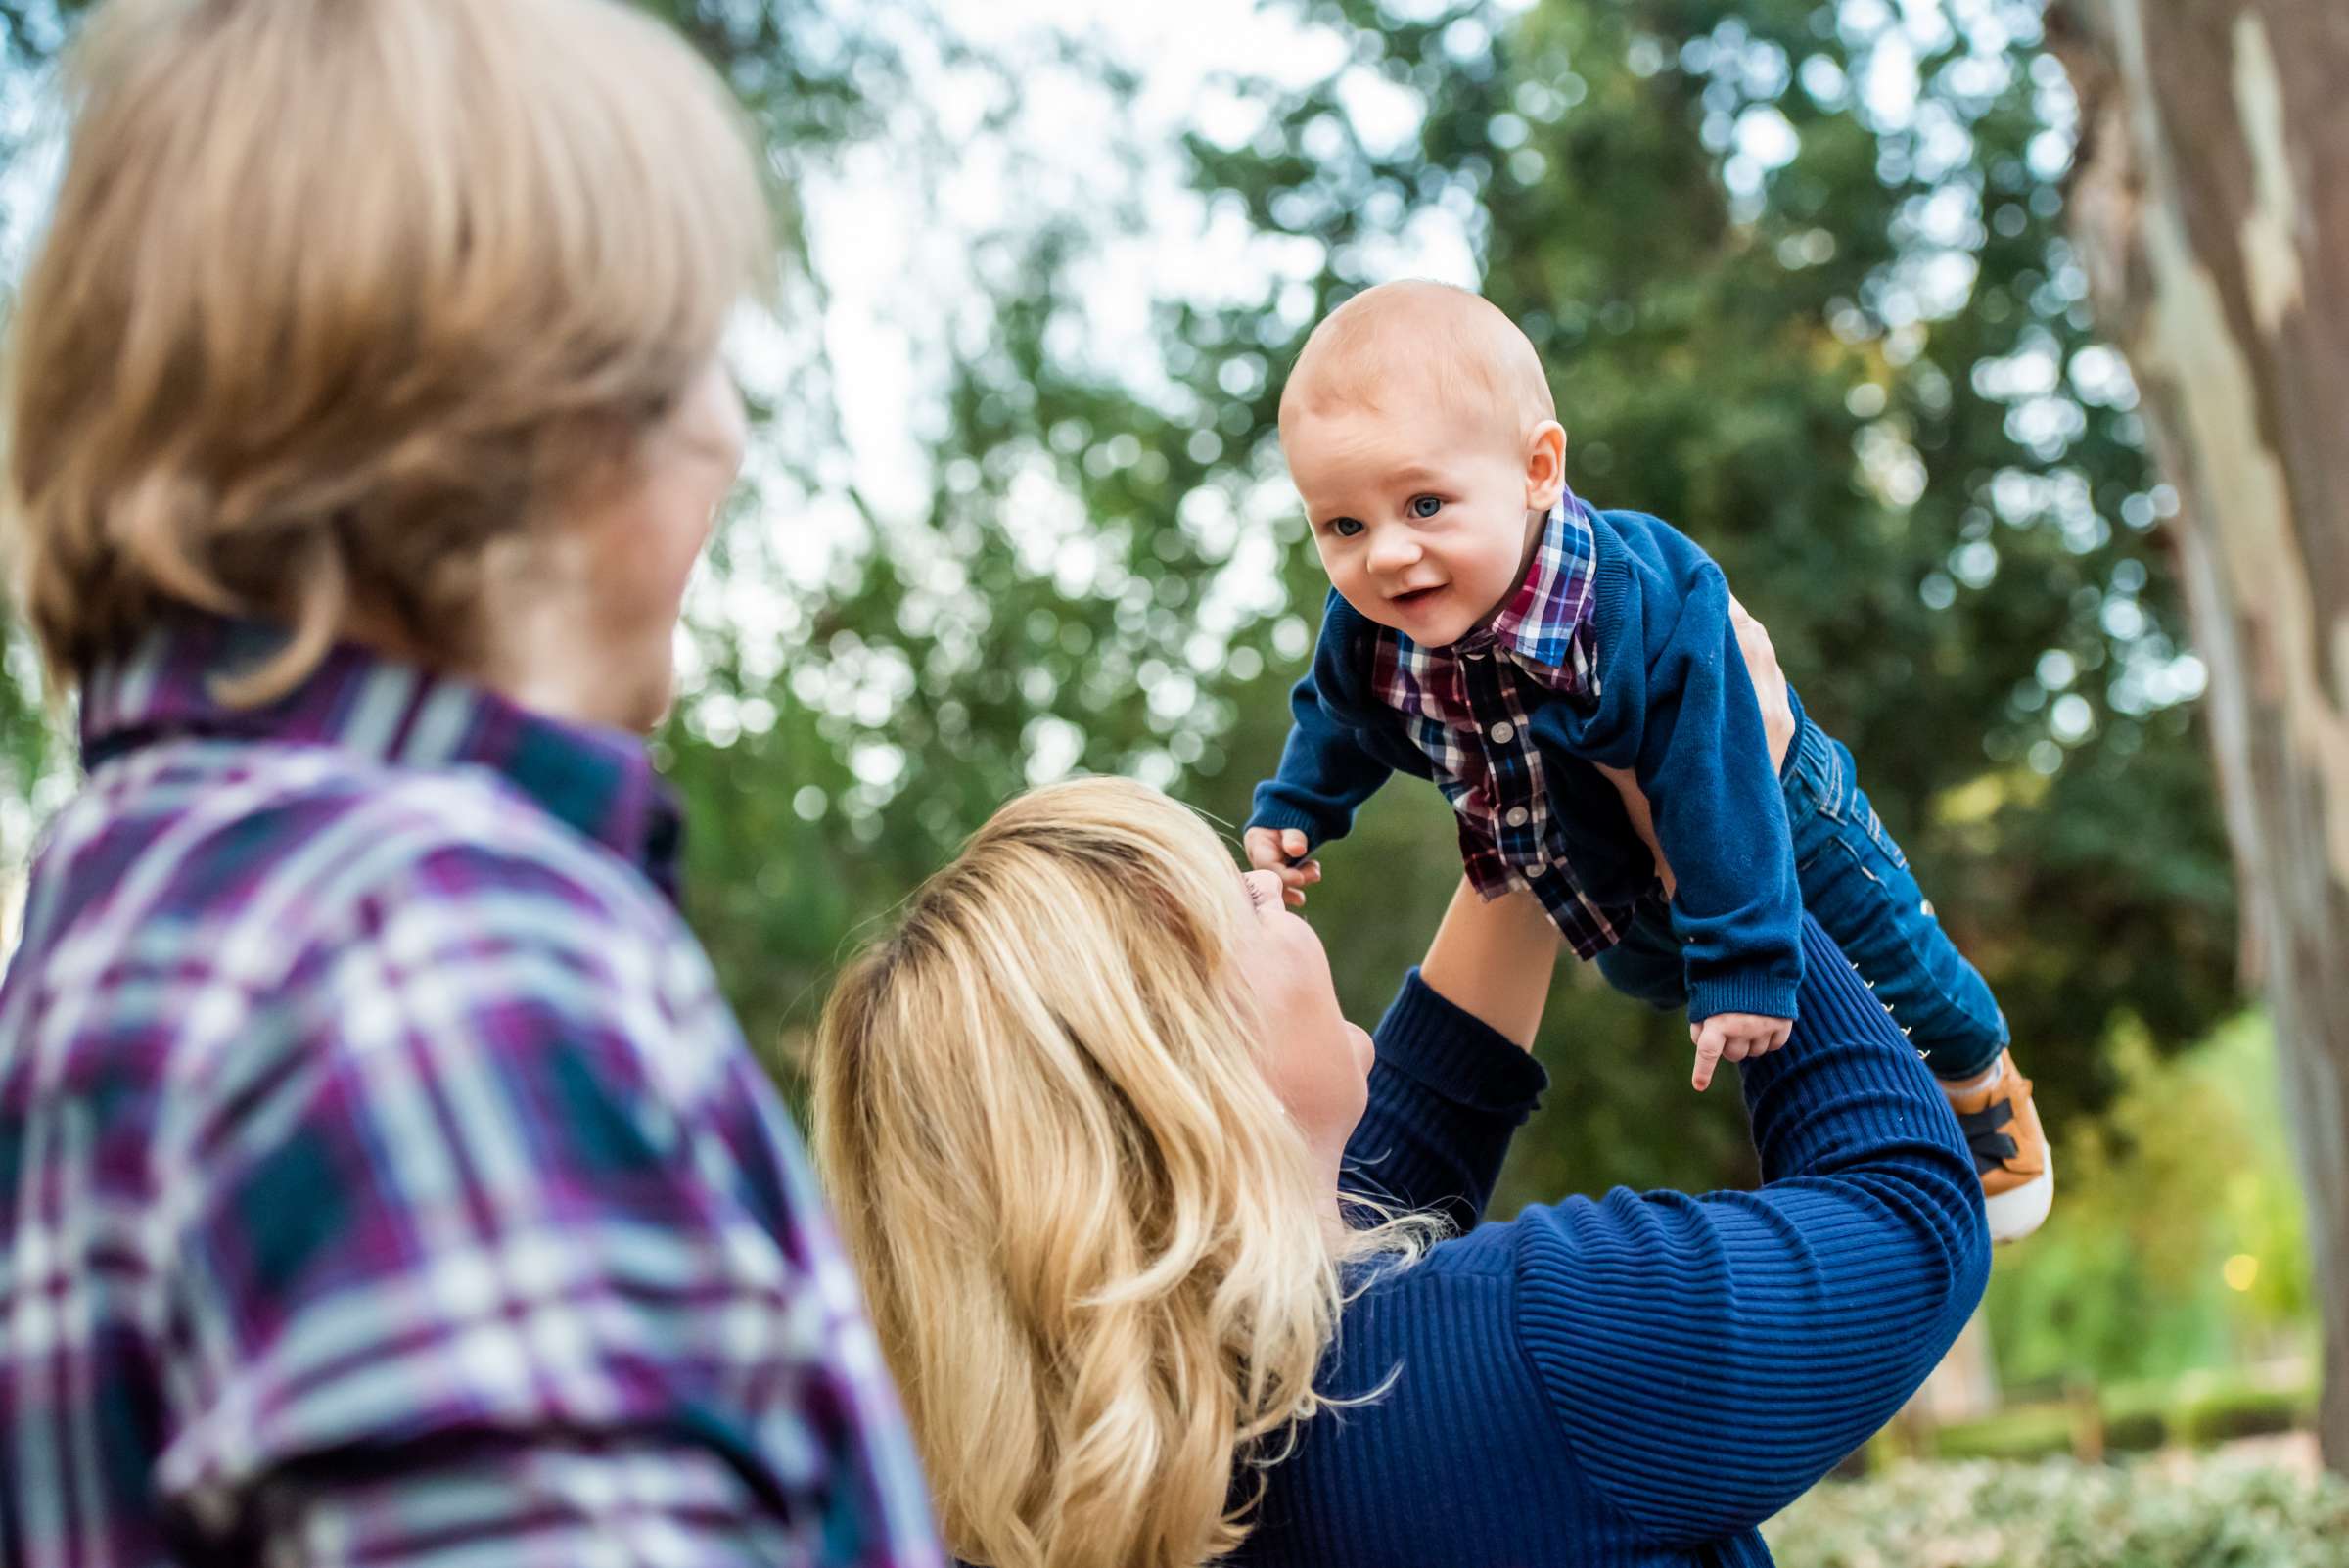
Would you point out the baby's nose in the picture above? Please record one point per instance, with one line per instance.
(1392, 551)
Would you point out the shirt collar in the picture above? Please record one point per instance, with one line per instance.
(599, 782)
(1540, 619)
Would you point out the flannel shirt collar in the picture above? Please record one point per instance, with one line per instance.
(1538, 622)
(599, 782)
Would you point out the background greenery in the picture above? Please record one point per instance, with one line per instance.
(2058, 1515)
(1797, 271)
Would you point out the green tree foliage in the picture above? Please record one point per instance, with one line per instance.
(30, 33)
(1854, 364)
(2180, 1243)
(1837, 337)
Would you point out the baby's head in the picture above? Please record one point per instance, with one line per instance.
(1420, 433)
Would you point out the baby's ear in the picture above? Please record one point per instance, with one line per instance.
(1544, 466)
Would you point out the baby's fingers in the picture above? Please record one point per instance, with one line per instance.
(1762, 1042)
(1708, 1045)
(1283, 851)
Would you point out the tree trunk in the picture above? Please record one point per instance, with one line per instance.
(2211, 209)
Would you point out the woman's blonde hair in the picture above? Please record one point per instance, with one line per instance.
(1094, 1243)
(339, 294)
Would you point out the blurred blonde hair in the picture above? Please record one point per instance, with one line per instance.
(1092, 1240)
(339, 295)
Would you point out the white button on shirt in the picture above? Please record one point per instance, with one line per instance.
(1518, 816)
(1502, 732)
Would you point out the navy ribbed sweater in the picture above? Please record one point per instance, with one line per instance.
(1645, 1378)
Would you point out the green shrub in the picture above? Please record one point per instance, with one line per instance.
(2019, 1432)
(2203, 1411)
(2185, 1176)
(2055, 1513)
(2242, 1413)
(2134, 1431)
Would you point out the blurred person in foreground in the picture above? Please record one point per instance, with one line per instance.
(1156, 1240)
(381, 1178)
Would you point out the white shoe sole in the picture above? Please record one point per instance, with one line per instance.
(2016, 1214)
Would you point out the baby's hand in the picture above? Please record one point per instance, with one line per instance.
(1282, 851)
(1734, 1038)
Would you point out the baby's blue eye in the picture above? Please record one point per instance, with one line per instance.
(1426, 506)
(1344, 527)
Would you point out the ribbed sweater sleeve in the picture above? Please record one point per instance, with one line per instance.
(1710, 1358)
(1325, 774)
(1447, 1094)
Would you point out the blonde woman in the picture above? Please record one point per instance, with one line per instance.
(382, 1179)
(1091, 1114)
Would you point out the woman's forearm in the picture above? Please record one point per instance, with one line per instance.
(1453, 1080)
(1798, 1318)
(1494, 960)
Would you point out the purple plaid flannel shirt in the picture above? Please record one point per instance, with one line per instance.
(382, 1179)
(1469, 709)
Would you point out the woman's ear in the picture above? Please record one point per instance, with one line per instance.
(1544, 466)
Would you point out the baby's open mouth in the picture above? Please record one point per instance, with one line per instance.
(1413, 596)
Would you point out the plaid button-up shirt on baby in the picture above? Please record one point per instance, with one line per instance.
(1468, 708)
(382, 1179)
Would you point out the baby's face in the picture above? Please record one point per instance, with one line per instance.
(1419, 510)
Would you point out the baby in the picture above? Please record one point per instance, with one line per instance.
(1571, 680)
